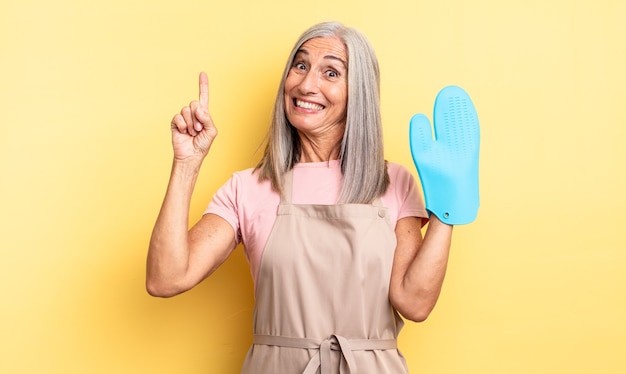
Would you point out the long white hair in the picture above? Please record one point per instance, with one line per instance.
(361, 156)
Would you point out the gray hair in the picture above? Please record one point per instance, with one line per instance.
(361, 157)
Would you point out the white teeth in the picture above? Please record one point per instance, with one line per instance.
(307, 105)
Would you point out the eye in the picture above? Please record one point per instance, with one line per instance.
(332, 74)
(299, 66)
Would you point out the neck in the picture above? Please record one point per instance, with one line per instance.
(318, 151)
(320, 148)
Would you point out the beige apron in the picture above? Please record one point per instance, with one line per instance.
(322, 293)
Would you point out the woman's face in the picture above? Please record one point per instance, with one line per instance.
(316, 88)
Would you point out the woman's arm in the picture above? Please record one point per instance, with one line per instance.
(179, 258)
(419, 266)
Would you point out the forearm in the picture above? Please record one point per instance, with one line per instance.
(419, 270)
(425, 275)
(169, 252)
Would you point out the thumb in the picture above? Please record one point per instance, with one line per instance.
(202, 115)
(420, 135)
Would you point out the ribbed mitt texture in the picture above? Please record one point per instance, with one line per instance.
(448, 164)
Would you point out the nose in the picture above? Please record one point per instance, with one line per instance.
(310, 83)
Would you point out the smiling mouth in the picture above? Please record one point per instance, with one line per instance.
(307, 105)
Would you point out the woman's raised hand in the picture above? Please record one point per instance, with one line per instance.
(193, 130)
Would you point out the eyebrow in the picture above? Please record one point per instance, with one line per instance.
(327, 57)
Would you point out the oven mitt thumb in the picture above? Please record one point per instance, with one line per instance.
(448, 165)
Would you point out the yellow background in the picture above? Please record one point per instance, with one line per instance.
(87, 90)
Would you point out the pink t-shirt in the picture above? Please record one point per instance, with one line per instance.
(250, 206)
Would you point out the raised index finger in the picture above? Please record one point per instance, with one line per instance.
(204, 90)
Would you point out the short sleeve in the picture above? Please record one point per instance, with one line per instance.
(408, 194)
(225, 204)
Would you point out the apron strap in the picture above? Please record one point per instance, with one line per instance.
(285, 197)
(333, 343)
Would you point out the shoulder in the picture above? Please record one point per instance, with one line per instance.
(251, 191)
(241, 189)
(245, 180)
(246, 176)
(399, 175)
(403, 195)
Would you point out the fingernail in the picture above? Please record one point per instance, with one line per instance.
(198, 126)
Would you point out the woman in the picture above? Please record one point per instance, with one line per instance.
(331, 231)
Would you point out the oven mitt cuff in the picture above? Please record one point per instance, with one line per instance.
(448, 165)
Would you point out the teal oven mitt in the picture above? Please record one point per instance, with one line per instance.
(448, 165)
